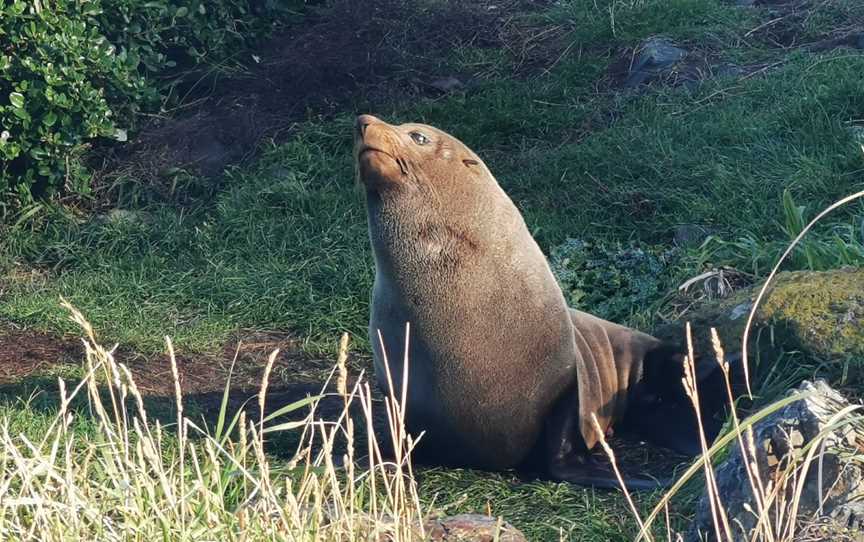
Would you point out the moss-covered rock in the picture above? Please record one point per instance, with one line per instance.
(819, 313)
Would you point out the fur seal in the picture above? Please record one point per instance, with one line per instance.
(501, 370)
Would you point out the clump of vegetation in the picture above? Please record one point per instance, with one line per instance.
(837, 245)
(132, 476)
(614, 281)
(72, 72)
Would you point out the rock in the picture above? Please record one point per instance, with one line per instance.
(447, 84)
(728, 70)
(831, 485)
(657, 54)
(122, 216)
(820, 314)
(471, 528)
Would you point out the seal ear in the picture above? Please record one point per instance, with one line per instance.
(469, 162)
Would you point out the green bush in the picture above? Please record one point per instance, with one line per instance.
(72, 71)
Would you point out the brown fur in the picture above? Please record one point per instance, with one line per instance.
(493, 346)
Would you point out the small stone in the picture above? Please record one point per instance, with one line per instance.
(691, 235)
(122, 216)
(728, 70)
(656, 55)
(471, 528)
(447, 84)
(739, 311)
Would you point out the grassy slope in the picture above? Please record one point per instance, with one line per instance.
(284, 245)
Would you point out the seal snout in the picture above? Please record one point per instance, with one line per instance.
(363, 122)
(376, 152)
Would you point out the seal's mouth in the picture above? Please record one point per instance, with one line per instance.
(364, 156)
(366, 149)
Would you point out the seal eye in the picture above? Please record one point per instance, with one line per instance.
(419, 138)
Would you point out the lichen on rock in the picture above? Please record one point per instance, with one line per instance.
(819, 313)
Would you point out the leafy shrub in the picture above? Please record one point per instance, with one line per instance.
(841, 245)
(55, 70)
(72, 71)
(612, 281)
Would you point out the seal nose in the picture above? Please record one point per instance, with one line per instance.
(363, 122)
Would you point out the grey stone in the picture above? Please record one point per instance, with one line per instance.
(832, 483)
(691, 235)
(728, 70)
(447, 84)
(122, 216)
(740, 311)
(656, 55)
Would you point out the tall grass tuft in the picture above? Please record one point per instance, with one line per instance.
(141, 480)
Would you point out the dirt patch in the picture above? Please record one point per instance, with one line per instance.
(24, 353)
(347, 55)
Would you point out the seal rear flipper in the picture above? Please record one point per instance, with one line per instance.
(669, 426)
(660, 411)
(588, 472)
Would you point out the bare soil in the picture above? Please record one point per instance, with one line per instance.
(353, 55)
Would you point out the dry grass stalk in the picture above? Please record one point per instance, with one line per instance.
(132, 479)
(612, 461)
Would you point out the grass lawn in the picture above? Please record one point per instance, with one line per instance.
(765, 101)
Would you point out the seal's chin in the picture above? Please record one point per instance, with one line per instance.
(377, 168)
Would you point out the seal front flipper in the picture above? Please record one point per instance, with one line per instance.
(586, 471)
(567, 456)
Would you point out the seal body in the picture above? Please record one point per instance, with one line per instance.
(498, 365)
(491, 346)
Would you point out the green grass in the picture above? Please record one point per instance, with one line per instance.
(542, 510)
(284, 245)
